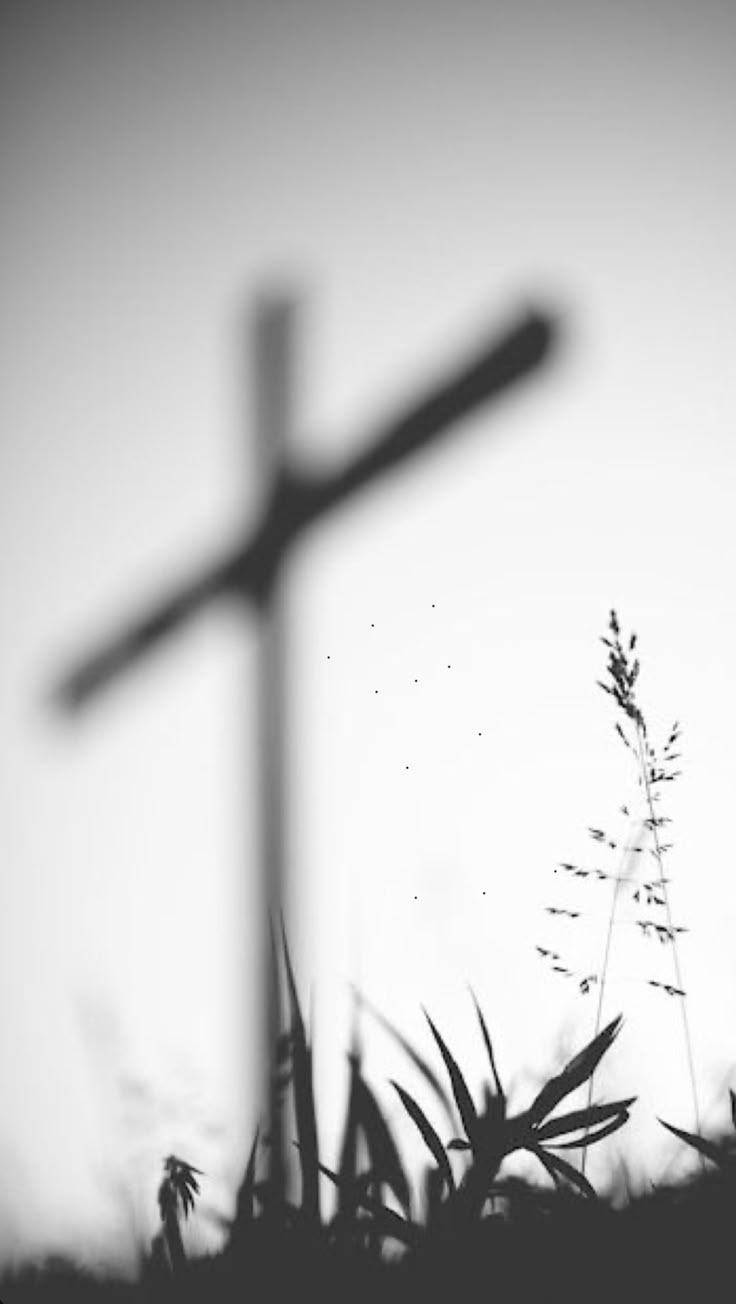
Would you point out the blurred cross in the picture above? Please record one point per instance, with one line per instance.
(294, 501)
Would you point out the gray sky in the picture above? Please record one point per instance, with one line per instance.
(416, 172)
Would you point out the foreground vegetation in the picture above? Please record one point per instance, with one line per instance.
(462, 1227)
(471, 1233)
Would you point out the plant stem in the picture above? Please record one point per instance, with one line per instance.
(675, 954)
(174, 1243)
(601, 990)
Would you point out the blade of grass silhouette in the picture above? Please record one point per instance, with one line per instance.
(384, 1156)
(428, 1134)
(705, 1148)
(249, 1179)
(591, 1136)
(417, 1059)
(306, 1116)
(348, 1164)
(488, 1046)
(587, 1117)
(714, 1101)
(560, 1168)
(244, 1205)
(463, 1098)
(277, 1165)
(575, 1072)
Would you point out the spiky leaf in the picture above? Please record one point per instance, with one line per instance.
(420, 1063)
(244, 1205)
(488, 1046)
(385, 1161)
(699, 1143)
(590, 1138)
(306, 1116)
(428, 1134)
(349, 1149)
(588, 1118)
(559, 1168)
(577, 1071)
(463, 1099)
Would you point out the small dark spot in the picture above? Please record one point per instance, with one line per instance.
(449, 667)
(406, 767)
(416, 898)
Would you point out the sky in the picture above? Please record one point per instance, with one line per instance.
(414, 175)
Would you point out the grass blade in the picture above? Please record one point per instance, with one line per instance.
(590, 1138)
(707, 1148)
(430, 1137)
(574, 1073)
(348, 1169)
(489, 1047)
(244, 1209)
(385, 1161)
(276, 1166)
(463, 1099)
(306, 1118)
(588, 1117)
(560, 1168)
(419, 1062)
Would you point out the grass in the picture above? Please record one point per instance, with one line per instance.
(649, 891)
(463, 1226)
(279, 1236)
(473, 1231)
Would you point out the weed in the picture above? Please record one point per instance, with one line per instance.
(648, 891)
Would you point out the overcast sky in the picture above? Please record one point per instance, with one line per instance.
(415, 174)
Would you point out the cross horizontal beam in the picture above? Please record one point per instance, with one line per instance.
(299, 501)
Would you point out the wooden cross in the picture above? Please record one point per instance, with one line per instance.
(294, 501)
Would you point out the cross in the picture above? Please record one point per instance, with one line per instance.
(295, 501)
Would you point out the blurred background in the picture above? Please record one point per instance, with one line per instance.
(414, 175)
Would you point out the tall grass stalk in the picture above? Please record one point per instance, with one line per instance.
(662, 884)
(623, 674)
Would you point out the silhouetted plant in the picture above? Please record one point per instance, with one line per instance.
(716, 1151)
(491, 1134)
(176, 1192)
(373, 1191)
(653, 768)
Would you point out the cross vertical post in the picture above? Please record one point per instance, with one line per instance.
(273, 414)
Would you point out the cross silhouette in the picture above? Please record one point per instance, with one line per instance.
(294, 501)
